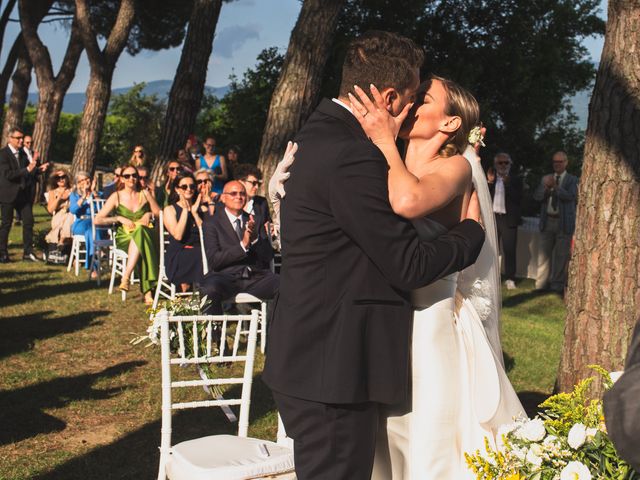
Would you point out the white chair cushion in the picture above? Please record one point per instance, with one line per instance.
(246, 298)
(227, 457)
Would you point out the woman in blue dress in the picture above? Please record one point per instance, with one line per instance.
(216, 163)
(79, 206)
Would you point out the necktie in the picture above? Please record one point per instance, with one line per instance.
(554, 195)
(238, 229)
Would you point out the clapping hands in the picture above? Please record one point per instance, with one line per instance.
(250, 232)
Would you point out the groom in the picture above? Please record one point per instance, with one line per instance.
(340, 333)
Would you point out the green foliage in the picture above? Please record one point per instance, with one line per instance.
(134, 118)
(239, 118)
(64, 139)
(522, 60)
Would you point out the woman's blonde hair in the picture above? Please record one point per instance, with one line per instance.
(460, 103)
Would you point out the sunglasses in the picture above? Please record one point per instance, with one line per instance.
(190, 186)
(19, 138)
(61, 177)
(175, 169)
(502, 163)
(200, 182)
(127, 176)
(138, 151)
(143, 177)
(236, 194)
(255, 183)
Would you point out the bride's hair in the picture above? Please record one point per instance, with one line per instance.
(460, 103)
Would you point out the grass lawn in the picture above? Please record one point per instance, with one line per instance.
(77, 401)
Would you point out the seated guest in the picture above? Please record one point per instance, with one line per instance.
(186, 160)
(251, 178)
(171, 171)
(79, 207)
(204, 181)
(58, 206)
(143, 179)
(137, 157)
(109, 188)
(233, 160)
(134, 209)
(183, 256)
(234, 253)
(622, 408)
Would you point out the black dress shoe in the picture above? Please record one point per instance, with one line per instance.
(30, 257)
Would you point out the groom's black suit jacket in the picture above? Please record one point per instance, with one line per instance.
(341, 327)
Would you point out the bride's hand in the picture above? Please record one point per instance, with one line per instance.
(379, 125)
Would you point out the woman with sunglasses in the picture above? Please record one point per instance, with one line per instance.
(171, 171)
(134, 209)
(79, 207)
(137, 157)
(208, 198)
(58, 206)
(216, 163)
(183, 257)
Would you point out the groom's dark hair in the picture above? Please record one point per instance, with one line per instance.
(383, 58)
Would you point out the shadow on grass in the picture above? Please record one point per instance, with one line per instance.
(26, 282)
(509, 361)
(43, 292)
(20, 332)
(136, 455)
(22, 412)
(531, 401)
(519, 298)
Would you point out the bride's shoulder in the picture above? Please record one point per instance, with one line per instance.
(457, 166)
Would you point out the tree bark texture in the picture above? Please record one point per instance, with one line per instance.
(21, 80)
(98, 93)
(604, 282)
(296, 93)
(51, 88)
(9, 66)
(187, 89)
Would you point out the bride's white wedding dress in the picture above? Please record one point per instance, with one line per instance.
(460, 391)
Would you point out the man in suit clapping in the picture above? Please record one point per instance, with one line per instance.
(18, 174)
(238, 257)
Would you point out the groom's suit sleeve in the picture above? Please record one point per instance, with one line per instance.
(359, 200)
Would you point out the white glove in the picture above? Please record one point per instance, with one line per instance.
(276, 183)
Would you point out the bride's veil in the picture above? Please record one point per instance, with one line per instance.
(480, 283)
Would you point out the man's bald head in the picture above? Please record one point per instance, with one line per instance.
(234, 197)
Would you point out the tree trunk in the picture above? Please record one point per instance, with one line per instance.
(103, 63)
(188, 84)
(51, 89)
(604, 283)
(10, 64)
(93, 116)
(296, 93)
(21, 80)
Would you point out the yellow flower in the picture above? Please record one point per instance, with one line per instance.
(514, 476)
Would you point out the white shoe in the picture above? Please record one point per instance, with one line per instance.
(510, 284)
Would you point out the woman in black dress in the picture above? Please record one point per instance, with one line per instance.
(183, 256)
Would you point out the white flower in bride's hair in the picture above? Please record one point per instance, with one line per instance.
(475, 136)
(575, 471)
(577, 436)
(533, 430)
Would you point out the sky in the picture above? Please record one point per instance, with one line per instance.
(244, 29)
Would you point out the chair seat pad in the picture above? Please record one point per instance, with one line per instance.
(227, 457)
(246, 298)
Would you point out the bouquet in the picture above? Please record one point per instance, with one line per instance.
(567, 441)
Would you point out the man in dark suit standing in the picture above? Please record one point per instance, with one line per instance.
(506, 192)
(238, 258)
(339, 337)
(17, 188)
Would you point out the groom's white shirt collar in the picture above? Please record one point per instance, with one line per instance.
(342, 104)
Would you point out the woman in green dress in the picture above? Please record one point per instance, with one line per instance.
(134, 209)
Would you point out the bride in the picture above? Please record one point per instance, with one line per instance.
(460, 391)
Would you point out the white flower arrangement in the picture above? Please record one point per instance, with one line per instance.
(567, 441)
(475, 136)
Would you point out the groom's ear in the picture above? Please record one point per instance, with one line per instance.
(389, 95)
(451, 124)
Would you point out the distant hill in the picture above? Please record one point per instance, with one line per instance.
(74, 102)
